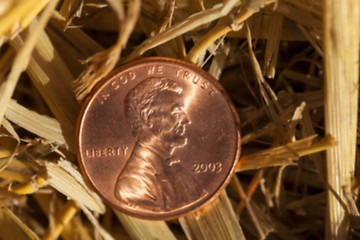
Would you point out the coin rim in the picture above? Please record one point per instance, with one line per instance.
(198, 70)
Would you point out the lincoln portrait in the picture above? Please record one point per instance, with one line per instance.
(153, 177)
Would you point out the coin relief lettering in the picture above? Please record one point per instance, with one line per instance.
(155, 70)
(195, 79)
(126, 77)
(104, 97)
(202, 167)
(106, 152)
(115, 85)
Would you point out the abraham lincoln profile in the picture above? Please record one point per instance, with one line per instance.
(153, 177)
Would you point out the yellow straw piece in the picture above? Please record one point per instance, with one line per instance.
(5, 62)
(22, 58)
(20, 15)
(30, 234)
(62, 218)
(222, 29)
(12, 175)
(31, 185)
(284, 155)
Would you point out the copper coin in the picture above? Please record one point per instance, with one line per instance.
(158, 138)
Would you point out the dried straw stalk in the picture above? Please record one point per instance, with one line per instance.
(17, 224)
(16, 16)
(284, 155)
(49, 129)
(145, 229)
(101, 63)
(52, 78)
(341, 48)
(189, 24)
(22, 59)
(215, 220)
(71, 229)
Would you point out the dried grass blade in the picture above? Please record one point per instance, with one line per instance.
(74, 43)
(22, 59)
(62, 218)
(80, 40)
(31, 185)
(9, 228)
(299, 15)
(71, 9)
(272, 106)
(225, 26)
(10, 153)
(341, 51)
(145, 229)
(308, 130)
(5, 62)
(17, 171)
(23, 226)
(187, 25)
(12, 175)
(9, 199)
(18, 17)
(103, 62)
(272, 45)
(166, 18)
(317, 46)
(285, 154)
(262, 224)
(67, 180)
(75, 228)
(310, 199)
(52, 79)
(216, 220)
(250, 191)
(40, 125)
(104, 234)
(218, 63)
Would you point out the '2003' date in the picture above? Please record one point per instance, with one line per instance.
(203, 167)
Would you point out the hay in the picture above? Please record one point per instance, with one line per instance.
(291, 68)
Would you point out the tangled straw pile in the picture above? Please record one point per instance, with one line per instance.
(291, 68)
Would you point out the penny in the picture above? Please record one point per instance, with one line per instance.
(158, 138)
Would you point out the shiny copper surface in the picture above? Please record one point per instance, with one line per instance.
(158, 138)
